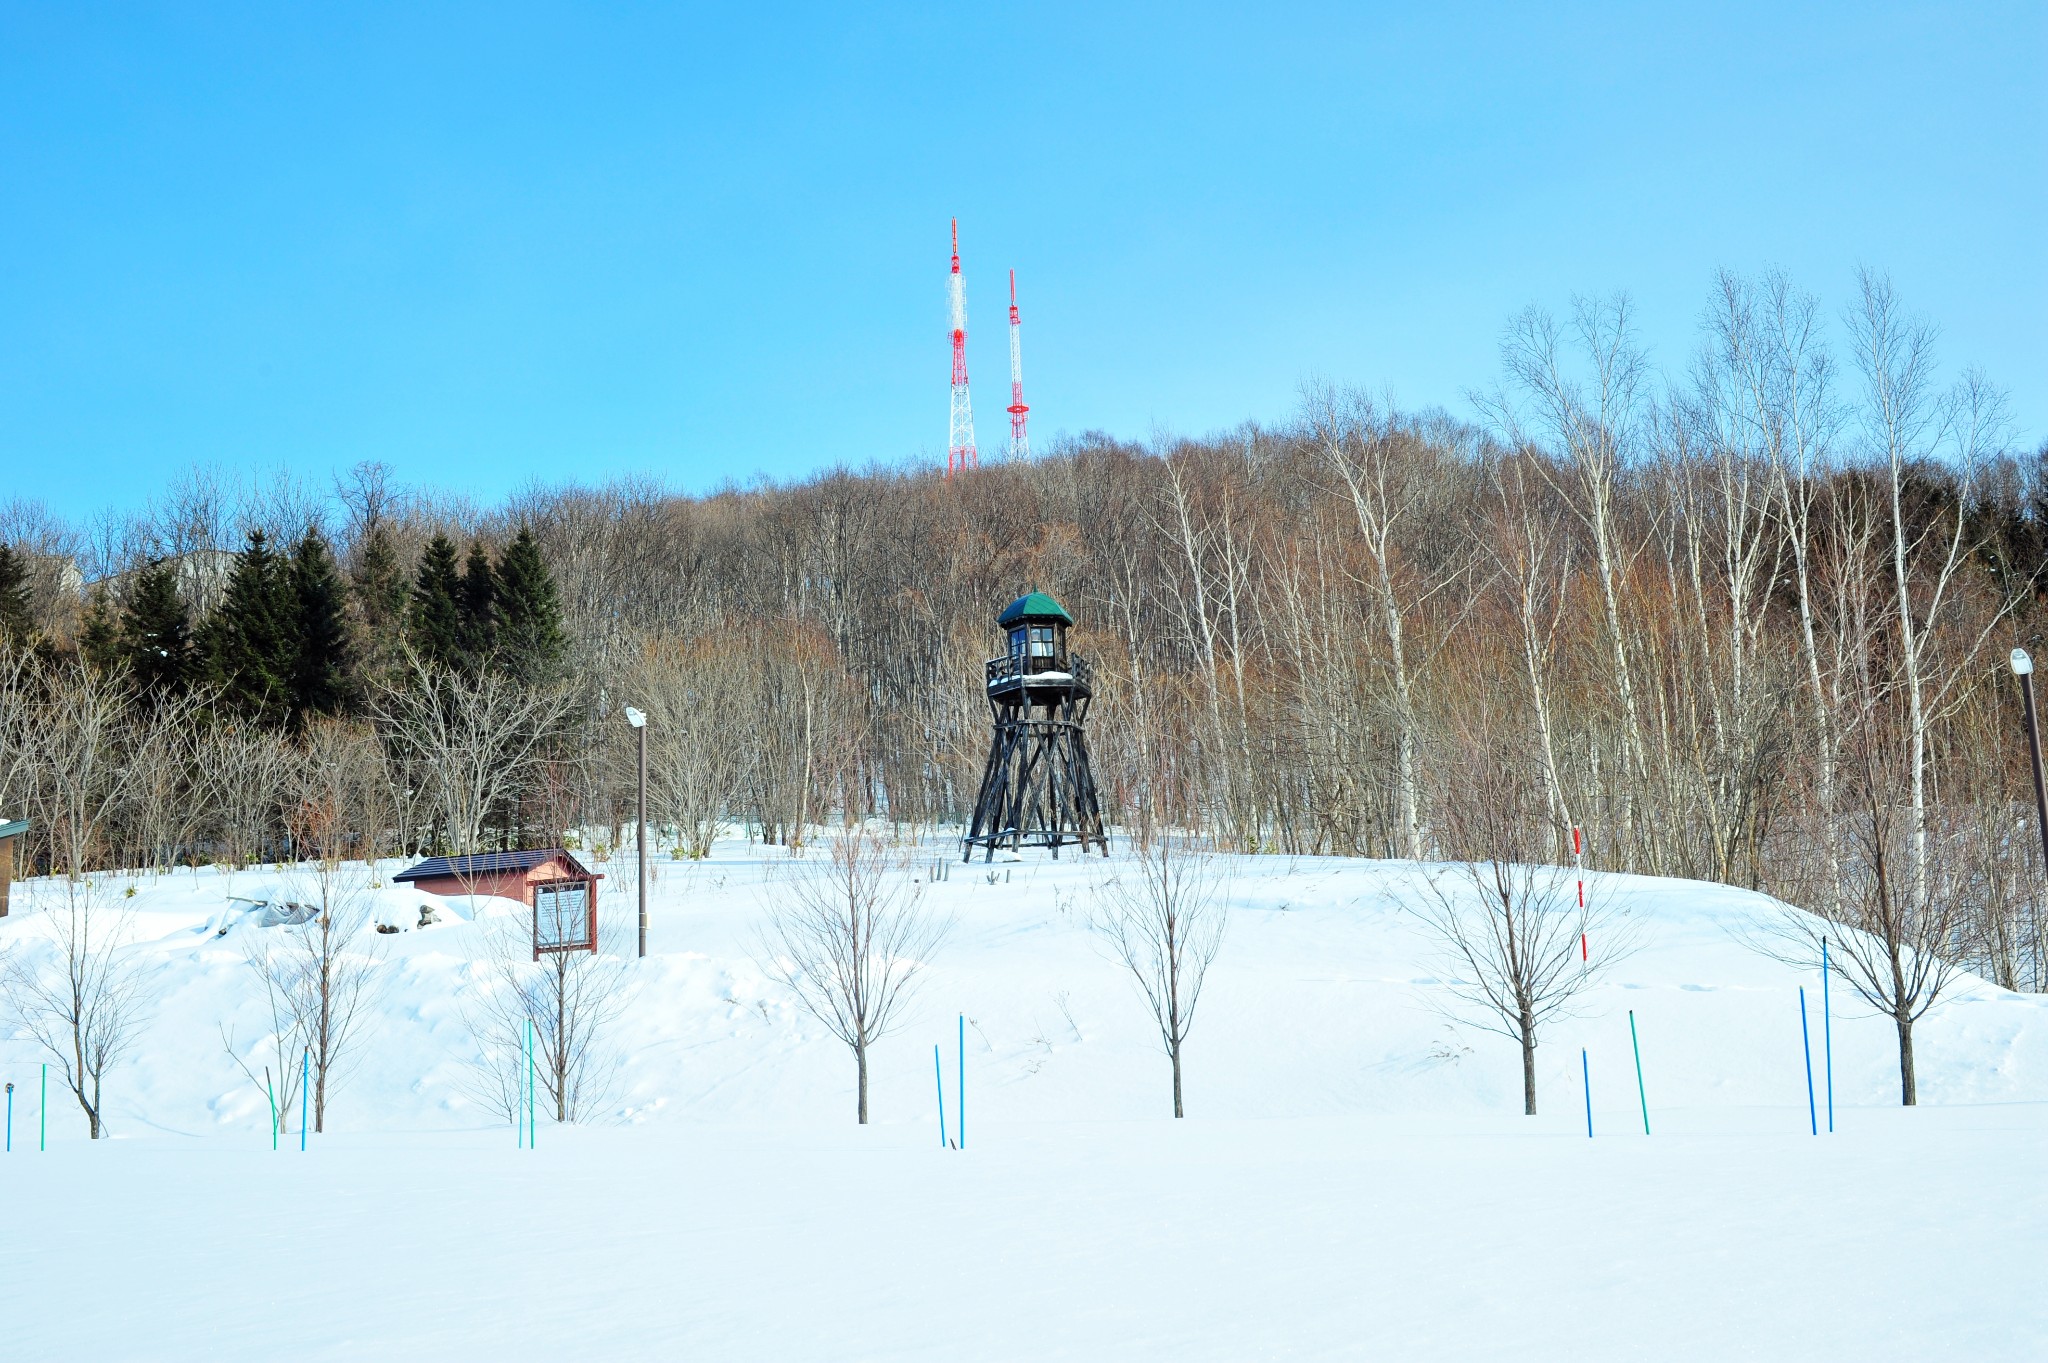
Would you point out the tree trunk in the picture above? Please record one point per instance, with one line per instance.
(1528, 1066)
(1909, 1088)
(1178, 1111)
(860, 1060)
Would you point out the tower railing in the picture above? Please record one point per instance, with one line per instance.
(1008, 669)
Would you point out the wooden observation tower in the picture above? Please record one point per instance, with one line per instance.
(1037, 790)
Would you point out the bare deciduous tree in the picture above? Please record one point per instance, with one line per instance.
(325, 969)
(1163, 918)
(848, 936)
(696, 757)
(570, 999)
(84, 995)
(1903, 909)
(1513, 926)
(477, 738)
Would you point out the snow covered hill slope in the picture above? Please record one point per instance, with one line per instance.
(1354, 1178)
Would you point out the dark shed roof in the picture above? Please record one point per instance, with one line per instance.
(1033, 606)
(489, 863)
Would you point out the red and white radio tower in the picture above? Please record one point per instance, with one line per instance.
(1020, 444)
(960, 454)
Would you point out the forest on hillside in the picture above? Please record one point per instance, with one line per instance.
(1744, 621)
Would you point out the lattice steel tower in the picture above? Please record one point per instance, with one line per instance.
(960, 454)
(1037, 789)
(1020, 444)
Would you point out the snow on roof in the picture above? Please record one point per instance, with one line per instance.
(489, 863)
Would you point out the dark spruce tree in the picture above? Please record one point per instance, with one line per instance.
(252, 637)
(380, 589)
(99, 635)
(532, 644)
(321, 663)
(479, 601)
(434, 615)
(155, 635)
(17, 622)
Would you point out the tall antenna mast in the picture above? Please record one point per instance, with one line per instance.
(960, 455)
(1020, 444)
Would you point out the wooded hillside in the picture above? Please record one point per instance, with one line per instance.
(1746, 623)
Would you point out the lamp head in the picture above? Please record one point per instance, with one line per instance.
(635, 718)
(2022, 664)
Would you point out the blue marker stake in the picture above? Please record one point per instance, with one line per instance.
(305, 1095)
(1812, 1120)
(1827, 1032)
(1642, 1094)
(1586, 1080)
(963, 1082)
(939, 1073)
(43, 1112)
(10, 1118)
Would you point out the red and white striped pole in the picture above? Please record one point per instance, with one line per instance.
(1579, 868)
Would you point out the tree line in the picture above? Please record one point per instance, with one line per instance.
(1745, 622)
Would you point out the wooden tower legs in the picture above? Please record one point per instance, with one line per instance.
(1037, 790)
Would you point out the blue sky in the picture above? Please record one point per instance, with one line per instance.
(497, 243)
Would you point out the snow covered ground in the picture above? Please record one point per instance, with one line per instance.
(1354, 1178)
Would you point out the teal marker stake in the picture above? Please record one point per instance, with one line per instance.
(1586, 1081)
(1636, 1046)
(519, 1096)
(10, 1118)
(305, 1096)
(1812, 1120)
(939, 1073)
(532, 1131)
(1827, 1040)
(962, 1144)
(43, 1112)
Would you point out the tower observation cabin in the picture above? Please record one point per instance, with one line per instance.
(1037, 789)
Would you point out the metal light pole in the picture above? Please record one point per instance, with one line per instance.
(639, 723)
(2023, 668)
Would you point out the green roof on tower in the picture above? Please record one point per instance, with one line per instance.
(1033, 606)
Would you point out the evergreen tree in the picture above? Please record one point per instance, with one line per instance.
(434, 616)
(17, 622)
(380, 590)
(479, 600)
(320, 667)
(252, 637)
(535, 647)
(99, 640)
(155, 638)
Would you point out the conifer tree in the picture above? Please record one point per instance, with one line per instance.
(479, 600)
(251, 640)
(380, 590)
(534, 645)
(155, 638)
(320, 666)
(434, 616)
(99, 638)
(17, 622)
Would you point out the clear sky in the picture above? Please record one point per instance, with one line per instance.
(501, 242)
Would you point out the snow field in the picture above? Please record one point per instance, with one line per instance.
(1355, 1178)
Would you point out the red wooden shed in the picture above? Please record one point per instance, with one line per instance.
(10, 831)
(561, 891)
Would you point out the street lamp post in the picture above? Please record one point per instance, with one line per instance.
(2023, 668)
(639, 723)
